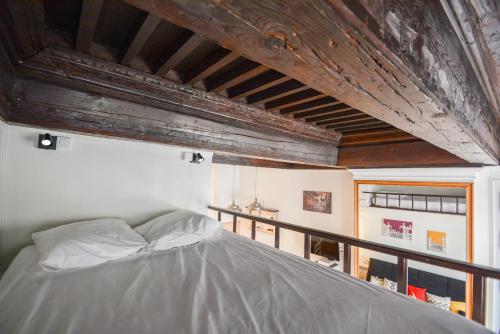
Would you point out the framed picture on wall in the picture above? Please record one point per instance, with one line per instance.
(436, 241)
(398, 229)
(317, 201)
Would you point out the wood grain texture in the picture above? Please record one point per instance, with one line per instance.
(277, 92)
(148, 26)
(381, 138)
(404, 65)
(236, 76)
(7, 81)
(64, 67)
(61, 108)
(24, 21)
(214, 62)
(261, 82)
(88, 23)
(184, 49)
(234, 160)
(408, 154)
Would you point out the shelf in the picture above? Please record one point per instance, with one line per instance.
(444, 204)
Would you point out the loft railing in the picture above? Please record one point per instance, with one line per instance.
(479, 273)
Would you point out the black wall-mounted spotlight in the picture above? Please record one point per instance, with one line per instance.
(47, 142)
(197, 158)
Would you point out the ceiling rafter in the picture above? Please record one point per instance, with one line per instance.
(88, 23)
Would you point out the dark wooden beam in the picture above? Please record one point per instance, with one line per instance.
(59, 108)
(341, 114)
(409, 154)
(276, 92)
(241, 73)
(70, 69)
(147, 28)
(323, 111)
(24, 24)
(385, 130)
(7, 80)
(261, 82)
(294, 99)
(380, 138)
(345, 121)
(234, 160)
(182, 51)
(399, 63)
(366, 126)
(88, 22)
(208, 66)
(311, 105)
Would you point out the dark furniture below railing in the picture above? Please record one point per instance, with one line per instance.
(436, 284)
(479, 272)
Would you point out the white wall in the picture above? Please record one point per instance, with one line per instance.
(485, 240)
(487, 234)
(282, 189)
(370, 228)
(97, 177)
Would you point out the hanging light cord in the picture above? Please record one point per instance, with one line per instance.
(234, 176)
(255, 183)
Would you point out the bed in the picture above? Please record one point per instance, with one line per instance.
(227, 284)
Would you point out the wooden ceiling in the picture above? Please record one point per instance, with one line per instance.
(310, 83)
(147, 43)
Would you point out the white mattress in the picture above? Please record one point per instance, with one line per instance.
(225, 285)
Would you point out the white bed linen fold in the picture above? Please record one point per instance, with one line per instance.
(227, 284)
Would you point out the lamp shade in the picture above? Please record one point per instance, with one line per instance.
(255, 205)
(234, 207)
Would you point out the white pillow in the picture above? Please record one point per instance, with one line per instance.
(177, 229)
(86, 243)
(376, 281)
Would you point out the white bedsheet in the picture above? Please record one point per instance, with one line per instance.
(228, 284)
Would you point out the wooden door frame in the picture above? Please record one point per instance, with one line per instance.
(469, 200)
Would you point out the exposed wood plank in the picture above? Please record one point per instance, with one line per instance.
(214, 62)
(353, 51)
(287, 88)
(363, 123)
(24, 22)
(182, 52)
(236, 76)
(259, 83)
(377, 139)
(324, 111)
(476, 24)
(7, 80)
(88, 23)
(342, 113)
(147, 28)
(291, 112)
(411, 154)
(71, 69)
(386, 130)
(322, 102)
(56, 107)
(294, 99)
(346, 120)
(255, 162)
(365, 126)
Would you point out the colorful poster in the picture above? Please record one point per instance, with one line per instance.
(317, 201)
(436, 241)
(397, 229)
